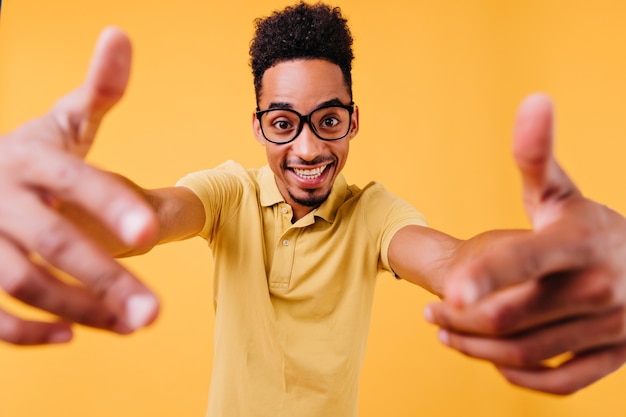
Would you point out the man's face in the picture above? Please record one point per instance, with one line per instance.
(305, 168)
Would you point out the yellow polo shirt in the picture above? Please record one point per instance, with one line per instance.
(292, 301)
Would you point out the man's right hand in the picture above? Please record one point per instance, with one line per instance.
(42, 169)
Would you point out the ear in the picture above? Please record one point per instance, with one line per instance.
(256, 130)
(354, 127)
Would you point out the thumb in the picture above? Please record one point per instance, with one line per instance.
(80, 113)
(544, 182)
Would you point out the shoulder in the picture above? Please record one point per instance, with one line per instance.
(375, 196)
(390, 211)
(228, 174)
(379, 209)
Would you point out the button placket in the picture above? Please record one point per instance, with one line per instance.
(282, 264)
(284, 249)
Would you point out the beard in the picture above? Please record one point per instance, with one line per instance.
(311, 200)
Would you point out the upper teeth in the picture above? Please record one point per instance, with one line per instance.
(310, 174)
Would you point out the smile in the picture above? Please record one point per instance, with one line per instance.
(310, 174)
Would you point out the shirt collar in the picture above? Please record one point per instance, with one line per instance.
(270, 195)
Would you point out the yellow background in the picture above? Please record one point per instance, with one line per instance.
(437, 84)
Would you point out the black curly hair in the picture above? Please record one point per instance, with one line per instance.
(302, 31)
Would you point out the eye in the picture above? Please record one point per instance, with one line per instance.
(282, 125)
(330, 122)
(280, 121)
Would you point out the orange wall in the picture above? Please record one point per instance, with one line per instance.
(437, 84)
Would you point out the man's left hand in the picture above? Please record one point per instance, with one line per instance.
(548, 307)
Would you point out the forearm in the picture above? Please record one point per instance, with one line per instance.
(422, 256)
(427, 257)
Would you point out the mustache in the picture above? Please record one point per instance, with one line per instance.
(320, 160)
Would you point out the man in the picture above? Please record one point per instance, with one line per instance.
(297, 249)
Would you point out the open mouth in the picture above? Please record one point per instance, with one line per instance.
(310, 174)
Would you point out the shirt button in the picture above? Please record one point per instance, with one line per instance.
(284, 210)
(286, 242)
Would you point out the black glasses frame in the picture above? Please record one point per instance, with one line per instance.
(306, 119)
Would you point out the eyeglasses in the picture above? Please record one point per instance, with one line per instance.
(330, 122)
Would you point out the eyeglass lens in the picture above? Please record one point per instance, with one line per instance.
(283, 125)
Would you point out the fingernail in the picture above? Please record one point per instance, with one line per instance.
(140, 310)
(444, 337)
(133, 225)
(60, 336)
(428, 314)
(470, 293)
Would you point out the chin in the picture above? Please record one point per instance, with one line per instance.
(313, 199)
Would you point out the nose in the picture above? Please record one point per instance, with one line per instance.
(307, 146)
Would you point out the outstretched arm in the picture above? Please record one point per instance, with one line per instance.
(428, 258)
(547, 307)
(49, 196)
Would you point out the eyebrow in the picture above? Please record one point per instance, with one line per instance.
(285, 105)
(280, 105)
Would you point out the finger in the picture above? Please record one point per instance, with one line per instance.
(65, 177)
(27, 332)
(71, 125)
(549, 195)
(529, 304)
(544, 182)
(79, 113)
(530, 349)
(525, 256)
(61, 244)
(571, 376)
(32, 284)
(110, 67)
